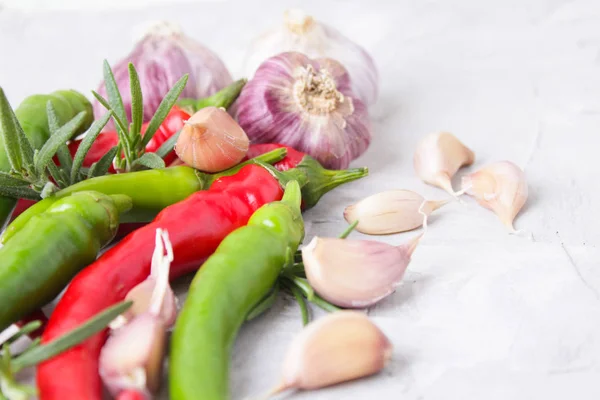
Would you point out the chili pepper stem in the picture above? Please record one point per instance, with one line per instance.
(122, 202)
(292, 194)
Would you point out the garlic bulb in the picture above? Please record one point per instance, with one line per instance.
(212, 141)
(336, 348)
(500, 187)
(391, 212)
(438, 157)
(161, 57)
(308, 105)
(355, 273)
(302, 33)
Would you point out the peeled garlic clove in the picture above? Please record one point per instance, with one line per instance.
(500, 187)
(337, 348)
(133, 355)
(438, 157)
(212, 141)
(355, 273)
(392, 211)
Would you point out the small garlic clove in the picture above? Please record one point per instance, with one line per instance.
(355, 273)
(438, 157)
(212, 141)
(337, 348)
(500, 187)
(132, 356)
(392, 211)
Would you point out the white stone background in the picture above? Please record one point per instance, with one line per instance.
(481, 314)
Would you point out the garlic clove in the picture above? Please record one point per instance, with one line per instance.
(337, 348)
(500, 187)
(132, 356)
(392, 211)
(355, 273)
(438, 157)
(212, 141)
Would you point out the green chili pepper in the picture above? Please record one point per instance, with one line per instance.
(52, 247)
(32, 116)
(230, 283)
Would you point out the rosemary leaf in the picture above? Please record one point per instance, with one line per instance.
(11, 181)
(25, 330)
(149, 160)
(163, 109)
(58, 139)
(137, 105)
(348, 230)
(300, 300)
(63, 154)
(101, 167)
(114, 96)
(58, 175)
(19, 192)
(8, 132)
(168, 145)
(264, 304)
(86, 145)
(70, 339)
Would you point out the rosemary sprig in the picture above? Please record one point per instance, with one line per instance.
(131, 152)
(34, 173)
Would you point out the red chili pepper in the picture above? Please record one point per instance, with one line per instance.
(196, 226)
(291, 160)
(107, 140)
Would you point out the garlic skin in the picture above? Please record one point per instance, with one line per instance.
(162, 56)
(438, 157)
(392, 211)
(500, 187)
(212, 141)
(302, 33)
(308, 105)
(355, 273)
(336, 348)
(132, 358)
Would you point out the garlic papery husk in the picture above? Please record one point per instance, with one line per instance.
(132, 358)
(438, 157)
(355, 273)
(161, 57)
(308, 105)
(155, 295)
(302, 33)
(500, 187)
(336, 348)
(392, 211)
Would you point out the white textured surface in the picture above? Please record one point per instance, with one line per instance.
(482, 315)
